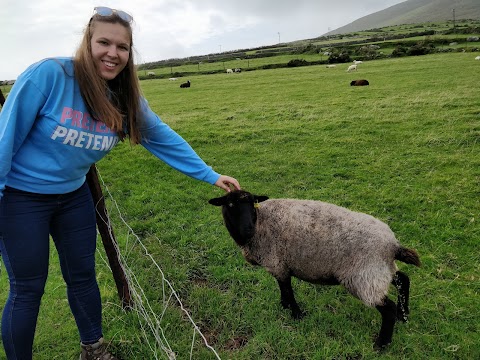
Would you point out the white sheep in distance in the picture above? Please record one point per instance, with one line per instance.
(324, 244)
(357, 62)
(229, 71)
(331, 66)
(477, 58)
(352, 68)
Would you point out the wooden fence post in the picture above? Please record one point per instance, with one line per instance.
(108, 238)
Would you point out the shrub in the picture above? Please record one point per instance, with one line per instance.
(399, 51)
(421, 49)
(297, 62)
(340, 56)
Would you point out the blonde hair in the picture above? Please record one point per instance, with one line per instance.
(115, 102)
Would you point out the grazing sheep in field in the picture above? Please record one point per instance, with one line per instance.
(229, 71)
(151, 73)
(352, 68)
(331, 66)
(356, 62)
(172, 79)
(477, 58)
(359, 83)
(238, 70)
(324, 244)
(185, 85)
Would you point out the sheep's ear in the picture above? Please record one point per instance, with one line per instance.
(260, 198)
(217, 201)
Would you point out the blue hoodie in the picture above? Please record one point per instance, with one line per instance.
(48, 141)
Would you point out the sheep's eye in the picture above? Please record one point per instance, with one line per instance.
(230, 204)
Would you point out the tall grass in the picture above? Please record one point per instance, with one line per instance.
(404, 149)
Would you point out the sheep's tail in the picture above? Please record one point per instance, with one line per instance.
(408, 256)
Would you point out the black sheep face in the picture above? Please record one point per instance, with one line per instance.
(239, 213)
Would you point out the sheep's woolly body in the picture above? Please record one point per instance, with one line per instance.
(319, 242)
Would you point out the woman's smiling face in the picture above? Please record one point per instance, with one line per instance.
(110, 49)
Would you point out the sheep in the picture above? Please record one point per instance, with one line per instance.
(356, 62)
(185, 85)
(331, 66)
(229, 71)
(477, 58)
(362, 82)
(238, 70)
(352, 68)
(321, 243)
(172, 79)
(2, 98)
(151, 73)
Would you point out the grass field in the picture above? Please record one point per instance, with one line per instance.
(404, 149)
(244, 64)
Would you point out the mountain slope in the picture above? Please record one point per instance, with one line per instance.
(414, 11)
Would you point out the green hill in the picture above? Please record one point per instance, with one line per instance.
(415, 11)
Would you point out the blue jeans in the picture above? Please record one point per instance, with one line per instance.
(26, 221)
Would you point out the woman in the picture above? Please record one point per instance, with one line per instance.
(61, 116)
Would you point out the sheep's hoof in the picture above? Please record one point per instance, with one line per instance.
(402, 317)
(298, 314)
(381, 344)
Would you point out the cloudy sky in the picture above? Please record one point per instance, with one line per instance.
(165, 29)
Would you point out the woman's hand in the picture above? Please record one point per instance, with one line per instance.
(226, 183)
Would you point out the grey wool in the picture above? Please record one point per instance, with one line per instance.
(321, 243)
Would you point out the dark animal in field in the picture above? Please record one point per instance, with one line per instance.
(185, 85)
(2, 98)
(359, 83)
(321, 243)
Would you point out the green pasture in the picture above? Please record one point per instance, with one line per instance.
(244, 64)
(404, 149)
(187, 68)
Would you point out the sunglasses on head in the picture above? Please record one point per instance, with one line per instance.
(106, 11)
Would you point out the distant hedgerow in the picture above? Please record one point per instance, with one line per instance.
(297, 62)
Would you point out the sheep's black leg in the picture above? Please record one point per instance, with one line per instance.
(288, 299)
(389, 314)
(402, 283)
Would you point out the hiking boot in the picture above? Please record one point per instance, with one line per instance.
(97, 351)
